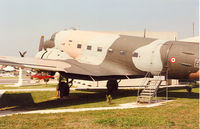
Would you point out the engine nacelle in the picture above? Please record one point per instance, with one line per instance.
(48, 44)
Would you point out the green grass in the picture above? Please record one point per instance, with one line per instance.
(182, 113)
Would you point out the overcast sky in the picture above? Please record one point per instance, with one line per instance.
(22, 22)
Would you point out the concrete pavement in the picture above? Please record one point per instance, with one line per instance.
(121, 106)
(8, 81)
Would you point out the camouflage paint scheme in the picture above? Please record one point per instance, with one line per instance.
(102, 56)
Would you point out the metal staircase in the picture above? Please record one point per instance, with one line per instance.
(150, 90)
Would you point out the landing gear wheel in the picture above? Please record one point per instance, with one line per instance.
(112, 85)
(63, 86)
(189, 89)
(64, 89)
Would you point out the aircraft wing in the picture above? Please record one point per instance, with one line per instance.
(51, 65)
(70, 66)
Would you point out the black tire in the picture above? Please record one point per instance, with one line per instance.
(112, 85)
(64, 89)
(115, 85)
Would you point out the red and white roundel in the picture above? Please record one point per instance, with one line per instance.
(173, 59)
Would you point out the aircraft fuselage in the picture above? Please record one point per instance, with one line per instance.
(124, 55)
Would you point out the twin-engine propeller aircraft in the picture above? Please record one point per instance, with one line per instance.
(88, 55)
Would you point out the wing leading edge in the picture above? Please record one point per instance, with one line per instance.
(68, 66)
(50, 65)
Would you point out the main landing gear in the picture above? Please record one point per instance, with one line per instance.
(63, 87)
(112, 85)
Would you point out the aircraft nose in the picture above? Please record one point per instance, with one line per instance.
(49, 44)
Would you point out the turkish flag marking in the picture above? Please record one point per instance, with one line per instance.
(173, 59)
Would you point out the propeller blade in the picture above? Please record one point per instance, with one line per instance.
(41, 43)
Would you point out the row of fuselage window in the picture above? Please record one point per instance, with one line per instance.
(89, 47)
(100, 49)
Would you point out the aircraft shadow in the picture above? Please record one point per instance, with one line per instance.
(16, 100)
(24, 101)
(174, 95)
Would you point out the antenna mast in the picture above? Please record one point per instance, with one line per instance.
(144, 32)
(193, 28)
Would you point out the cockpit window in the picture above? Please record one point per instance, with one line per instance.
(122, 52)
(78, 45)
(89, 47)
(135, 54)
(110, 50)
(99, 49)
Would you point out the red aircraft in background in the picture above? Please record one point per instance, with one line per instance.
(41, 76)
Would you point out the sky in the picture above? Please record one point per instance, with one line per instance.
(22, 22)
